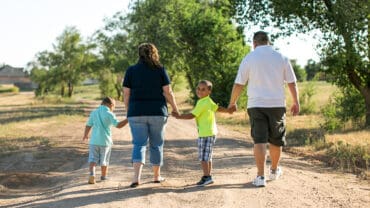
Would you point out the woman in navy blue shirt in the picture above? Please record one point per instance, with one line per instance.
(146, 91)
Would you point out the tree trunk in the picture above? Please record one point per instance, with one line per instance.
(70, 89)
(192, 86)
(118, 90)
(62, 91)
(366, 94)
(118, 86)
(362, 86)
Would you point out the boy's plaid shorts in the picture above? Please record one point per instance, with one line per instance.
(205, 148)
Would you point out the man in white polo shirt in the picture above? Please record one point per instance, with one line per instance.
(266, 71)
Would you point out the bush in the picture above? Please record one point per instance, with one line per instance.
(331, 120)
(347, 106)
(107, 84)
(305, 98)
(300, 73)
(9, 90)
(349, 157)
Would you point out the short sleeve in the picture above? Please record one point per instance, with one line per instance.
(289, 75)
(198, 109)
(165, 77)
(127, 80)
(90, 122)
(113, 120)
(243, 75)
(214, 107)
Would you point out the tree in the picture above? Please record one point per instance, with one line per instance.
(43, 73)
(113, 58)
(344, 26)
(299, 72)
(193, 37)
(157, 21)
(214, 50)
(67, 64)
(40, 76)
(72, 58)
(312, 68)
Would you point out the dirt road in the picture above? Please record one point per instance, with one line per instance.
(303, 184)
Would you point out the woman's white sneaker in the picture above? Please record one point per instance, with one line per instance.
(275, 174)
(259, 181)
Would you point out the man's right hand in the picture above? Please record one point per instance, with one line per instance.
(295, 109)
(232, 108)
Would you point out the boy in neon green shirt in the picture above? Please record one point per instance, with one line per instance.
(204, 114)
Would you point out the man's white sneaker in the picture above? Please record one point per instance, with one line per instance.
(274, 175)
(259, 181)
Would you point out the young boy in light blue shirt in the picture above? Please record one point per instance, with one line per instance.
(101, 120)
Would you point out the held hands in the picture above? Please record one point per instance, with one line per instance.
(175, 114)
(232, 108)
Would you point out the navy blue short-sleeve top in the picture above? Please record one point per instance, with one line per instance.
(146, 93)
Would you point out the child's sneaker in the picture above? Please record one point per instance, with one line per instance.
(205, 180)
(91, 179)
(202, 180)
(103, 178)
(274, 175)
(259, 181)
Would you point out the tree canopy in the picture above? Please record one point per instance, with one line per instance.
(194, 38)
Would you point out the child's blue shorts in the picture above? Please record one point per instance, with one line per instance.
(99, 154)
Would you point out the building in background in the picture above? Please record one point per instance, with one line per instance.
(15, 76)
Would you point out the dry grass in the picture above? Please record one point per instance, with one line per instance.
(10, 99)
(323, 92)
(37, 127)
(361, 137)
(27, 122)
(238, 121)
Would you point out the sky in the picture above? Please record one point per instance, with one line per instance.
(300, 47)
(32, 26)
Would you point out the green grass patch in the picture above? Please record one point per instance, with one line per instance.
(232, 122)
(10, 145)
(12, 89)
(50, 99)
(37, 112)
(314, 96)
(91, 92)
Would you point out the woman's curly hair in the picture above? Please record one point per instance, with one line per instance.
(149, 54)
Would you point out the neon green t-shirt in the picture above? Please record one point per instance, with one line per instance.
(204, 113)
